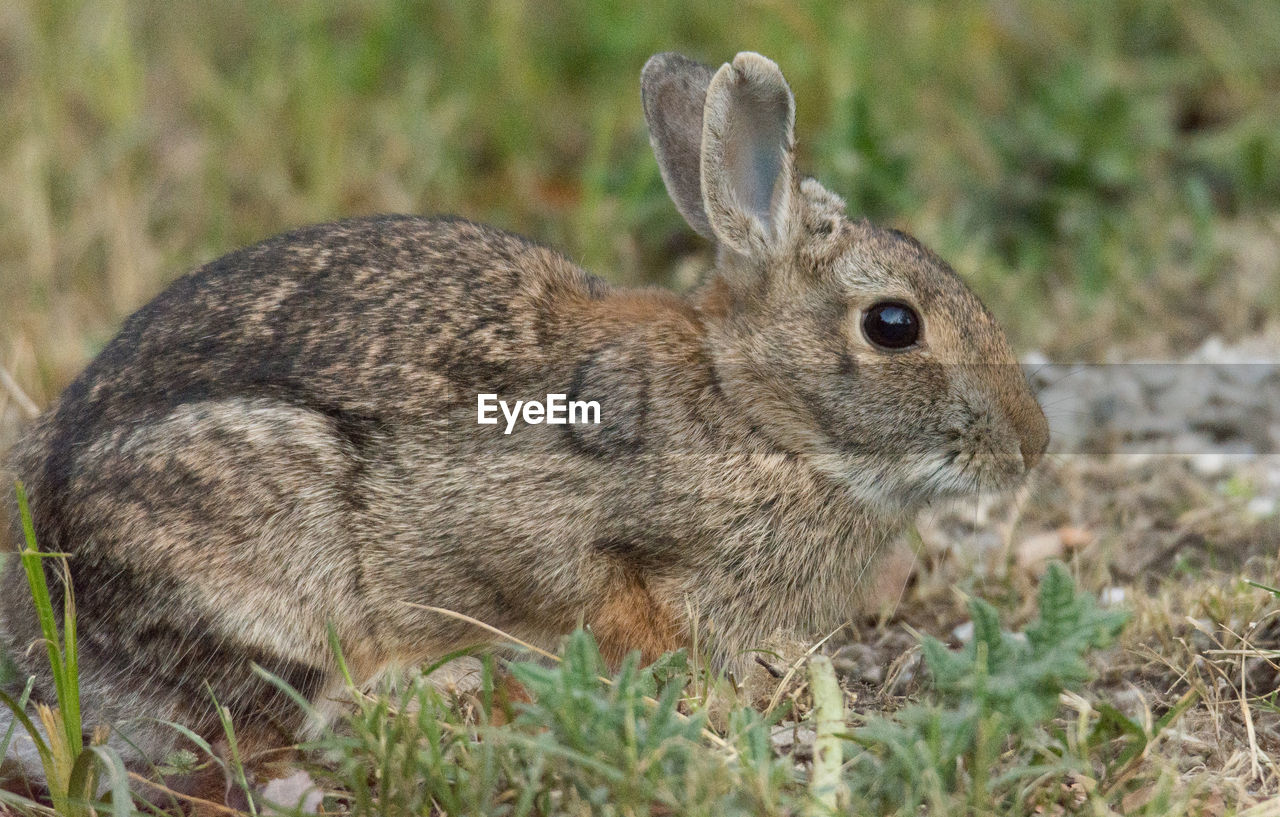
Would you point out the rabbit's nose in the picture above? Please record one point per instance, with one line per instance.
(1033, 432)
(1033, 450)
(1025, 416)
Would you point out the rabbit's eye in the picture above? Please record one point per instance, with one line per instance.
(891, 325)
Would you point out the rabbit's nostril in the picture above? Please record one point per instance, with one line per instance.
(1032, 428)
(1033, 450)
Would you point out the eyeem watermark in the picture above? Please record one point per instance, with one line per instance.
(557, 410)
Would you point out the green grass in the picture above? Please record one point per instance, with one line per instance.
(71, 769)
(1101, 163)
(635, 742)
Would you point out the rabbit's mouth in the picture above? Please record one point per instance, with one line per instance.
(978, 455)
(949, 474)
(976, 471)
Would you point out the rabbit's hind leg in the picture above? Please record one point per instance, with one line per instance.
(634, 617)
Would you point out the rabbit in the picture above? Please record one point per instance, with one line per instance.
(287, 439)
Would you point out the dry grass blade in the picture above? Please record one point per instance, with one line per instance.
(488, 628)
(1267, 808)
(19, 396)
(795, 667)
(221, 808)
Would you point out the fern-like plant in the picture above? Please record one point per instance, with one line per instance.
(1000, 686)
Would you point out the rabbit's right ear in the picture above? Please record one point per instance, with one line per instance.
(674, 91)
(748, 157)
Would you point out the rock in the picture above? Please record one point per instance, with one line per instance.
(297, 794)
(793, 739)
(1035, 551)
(859, 662)
(1112, 596)
(1209, 464)
(1075, 538)
(1261, 506)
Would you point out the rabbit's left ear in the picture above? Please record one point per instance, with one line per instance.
(674, 91)
(748, 157)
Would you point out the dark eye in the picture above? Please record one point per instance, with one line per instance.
(891, 325)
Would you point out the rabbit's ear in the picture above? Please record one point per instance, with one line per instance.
(748, 156)
(674, 91)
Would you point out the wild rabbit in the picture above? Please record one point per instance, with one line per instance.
(289, 437)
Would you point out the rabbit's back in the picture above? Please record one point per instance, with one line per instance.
(246, 460)
(348, 317)
(332, 337)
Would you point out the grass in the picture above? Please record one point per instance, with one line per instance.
(1092, 168)
(641, 740)
(1013, 722)
(71, 769)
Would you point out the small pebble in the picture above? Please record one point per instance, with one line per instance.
(1261, 506)
(1112, 596)
(1033, 552)
(295, 792)
(859, 662)
(1209, 465)
(1075, 538)
(792, 737)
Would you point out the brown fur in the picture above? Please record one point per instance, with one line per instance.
(631, 618)
(286, 438)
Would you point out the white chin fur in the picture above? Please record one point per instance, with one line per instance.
(902, 486)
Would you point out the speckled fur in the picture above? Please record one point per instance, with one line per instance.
(287, 437)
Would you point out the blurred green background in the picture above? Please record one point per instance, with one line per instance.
(1106, 174)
